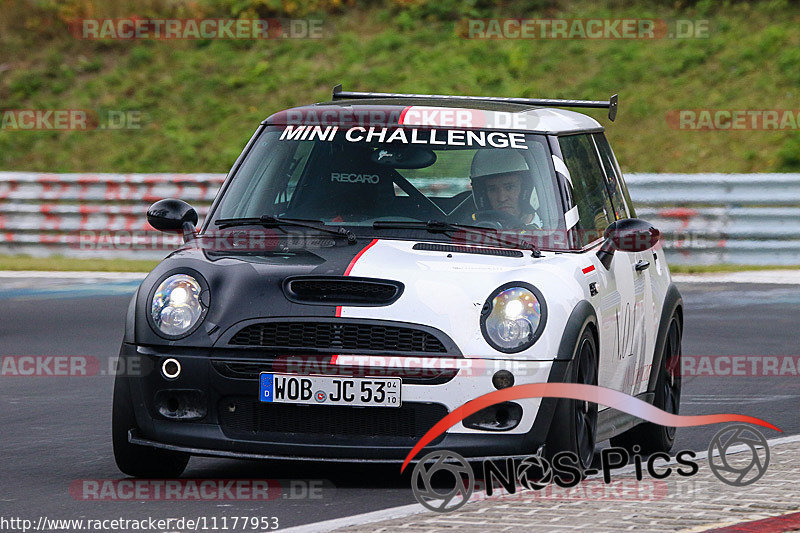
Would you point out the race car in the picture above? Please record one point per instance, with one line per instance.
(372, 263)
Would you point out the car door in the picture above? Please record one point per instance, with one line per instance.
(620, 324)
(642, 322)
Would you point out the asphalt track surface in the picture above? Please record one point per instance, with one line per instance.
(56, 430)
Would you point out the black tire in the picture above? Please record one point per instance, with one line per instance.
(134, 460)
(652, 438)
(574, 426)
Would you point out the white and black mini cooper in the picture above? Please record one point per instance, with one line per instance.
(374, 262)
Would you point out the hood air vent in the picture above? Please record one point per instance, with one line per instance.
(333, 290)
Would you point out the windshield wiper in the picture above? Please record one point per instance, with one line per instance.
(440, 226)
(270, 221)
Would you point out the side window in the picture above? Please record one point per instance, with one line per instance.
(616, 187)
(249, 182)
(595, 211)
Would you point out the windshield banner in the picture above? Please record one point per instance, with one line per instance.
(493, 139)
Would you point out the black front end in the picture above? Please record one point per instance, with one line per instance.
(200, 394)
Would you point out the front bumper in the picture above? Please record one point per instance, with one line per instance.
(235, 424)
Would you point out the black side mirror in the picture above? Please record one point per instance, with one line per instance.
(173, 216)
(627, 235)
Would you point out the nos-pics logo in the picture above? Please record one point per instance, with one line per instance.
(444, 481)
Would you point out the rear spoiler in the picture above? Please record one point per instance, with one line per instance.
(610, 104)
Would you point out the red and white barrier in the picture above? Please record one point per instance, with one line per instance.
(29, 186)
(90, 215)
(705, 218)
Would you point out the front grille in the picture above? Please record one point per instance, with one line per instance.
(342, 291)
(338, 336)
(250, 419)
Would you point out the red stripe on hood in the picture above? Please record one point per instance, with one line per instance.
(351, 265)
(358, 256)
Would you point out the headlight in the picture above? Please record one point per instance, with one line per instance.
(513, 317)
(176, 308)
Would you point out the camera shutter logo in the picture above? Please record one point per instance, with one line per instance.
(534, 472)
(743, 472)
(455, 476)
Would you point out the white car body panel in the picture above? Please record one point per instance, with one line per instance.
(448, 290)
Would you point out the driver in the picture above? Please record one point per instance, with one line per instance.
(503, 182)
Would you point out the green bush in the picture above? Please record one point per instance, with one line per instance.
(789, 154)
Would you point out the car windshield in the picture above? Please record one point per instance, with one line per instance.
(361, 178)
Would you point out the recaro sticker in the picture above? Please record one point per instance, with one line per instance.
(347, 177)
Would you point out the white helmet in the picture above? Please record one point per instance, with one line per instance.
(494, 162)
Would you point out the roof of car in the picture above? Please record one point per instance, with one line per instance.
(528, 118)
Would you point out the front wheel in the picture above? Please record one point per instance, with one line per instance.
(649, 437)
(132, 459)
(574, 427)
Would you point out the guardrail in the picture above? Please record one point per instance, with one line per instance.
(746, 219)
(705, 218)
(93, 215)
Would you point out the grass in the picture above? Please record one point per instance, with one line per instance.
(64, 264)
(198, 102)
(726, 267)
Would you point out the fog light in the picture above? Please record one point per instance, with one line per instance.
(170, 368)
(181, 404)
(500, 417)
(503, 379)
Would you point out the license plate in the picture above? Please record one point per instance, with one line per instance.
(330, 390)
